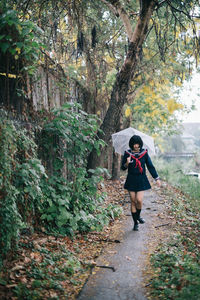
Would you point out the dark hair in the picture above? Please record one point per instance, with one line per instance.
(135, 139)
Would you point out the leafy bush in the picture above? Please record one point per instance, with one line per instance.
(71, 196)
(60, 194)
(19, 39)
(20, 193)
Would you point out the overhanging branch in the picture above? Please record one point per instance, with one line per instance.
(116, 7)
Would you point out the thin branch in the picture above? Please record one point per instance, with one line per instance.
(161, 225)
(134, 92)
(161, 3)
(157, 53)
(178, 10)
(111, 7)
(120, 11)
(106, 267)
(115, 34)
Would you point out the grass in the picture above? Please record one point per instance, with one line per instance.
(176, 263)
(174, 174)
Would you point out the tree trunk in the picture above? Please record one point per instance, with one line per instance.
(116, 160)
(116, 166)
(121, 86)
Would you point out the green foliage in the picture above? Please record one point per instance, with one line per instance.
(64, 201)
(114, 210)
(20, 193)
(20, 39)
(49, 274)
(71, 200)
(177, 270)
(166, 55)
(176, 264)
(175, 174)
(27, 181)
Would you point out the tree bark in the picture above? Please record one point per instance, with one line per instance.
(121, 86)
(116, 166)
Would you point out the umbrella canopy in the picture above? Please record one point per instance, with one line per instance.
(121, 140)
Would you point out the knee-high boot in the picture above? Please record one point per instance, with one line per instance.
(134, 216)
(141, 220)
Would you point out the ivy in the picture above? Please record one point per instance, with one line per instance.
(20, 193)
(20, 39)
(47, 184)
(71, 199)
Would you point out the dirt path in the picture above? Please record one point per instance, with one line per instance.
(130, 257)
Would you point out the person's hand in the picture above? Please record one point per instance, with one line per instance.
(128, 160)
(158, 182)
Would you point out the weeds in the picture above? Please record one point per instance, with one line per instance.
(47, 184)
(176, 264)
(48, 270)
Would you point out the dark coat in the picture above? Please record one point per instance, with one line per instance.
(137, 181)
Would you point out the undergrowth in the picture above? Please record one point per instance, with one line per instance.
(44, 181)
(175, 174)
(48, 270)
(176, 264)
(20, 194)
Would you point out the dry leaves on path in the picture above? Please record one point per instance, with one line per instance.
(48, 266)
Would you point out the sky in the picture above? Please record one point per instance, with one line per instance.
(190, 96)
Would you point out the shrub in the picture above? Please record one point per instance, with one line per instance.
(20, 193)
(60, 194)
(71, 195)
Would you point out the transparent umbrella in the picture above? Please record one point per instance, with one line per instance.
(121, 139)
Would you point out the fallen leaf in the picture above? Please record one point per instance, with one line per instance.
(128, 258)
(17, 268)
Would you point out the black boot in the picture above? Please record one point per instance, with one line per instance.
(141, 220)
(134, 216)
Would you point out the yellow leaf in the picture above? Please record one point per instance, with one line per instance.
(172, 105)
(19, 27)
(127, 112)
(99, 113)
(18, 50)
(141, 127)
(177, 82)
(109, 59)
(9, 75)
(146, 90)
(161, 101)
(164, 120)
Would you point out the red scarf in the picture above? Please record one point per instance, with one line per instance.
(138, 163)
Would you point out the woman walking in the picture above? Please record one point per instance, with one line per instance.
(135, 159)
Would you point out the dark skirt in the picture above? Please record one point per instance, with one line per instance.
(136, 183)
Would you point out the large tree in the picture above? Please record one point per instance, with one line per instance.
(101, 48)
(136, 37)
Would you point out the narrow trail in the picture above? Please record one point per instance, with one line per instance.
(130, 257)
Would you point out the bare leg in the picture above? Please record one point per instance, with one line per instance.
(139, 200)
(133, 201)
